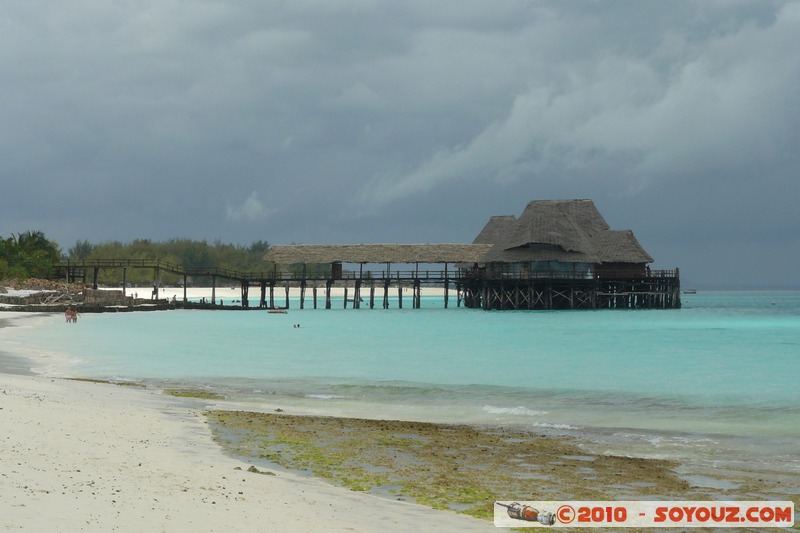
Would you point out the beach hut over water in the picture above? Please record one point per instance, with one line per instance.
(558, 254)
(560, 239)
(562, 254)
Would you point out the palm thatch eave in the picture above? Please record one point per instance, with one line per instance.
(376, 253)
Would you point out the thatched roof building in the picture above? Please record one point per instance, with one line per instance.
(558, 254)
(548, 235)
(560, 231)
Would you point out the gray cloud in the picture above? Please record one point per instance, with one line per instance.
(409, 121)
(250, 209)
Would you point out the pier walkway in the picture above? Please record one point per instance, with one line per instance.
(470, 285)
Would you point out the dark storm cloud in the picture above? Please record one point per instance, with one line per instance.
(376, 121)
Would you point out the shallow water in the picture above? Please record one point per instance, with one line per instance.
(715, 381)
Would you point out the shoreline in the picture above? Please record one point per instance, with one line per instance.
(109, 457)
(101, 456)
(738, 486)
(224, 298)
(498, 461)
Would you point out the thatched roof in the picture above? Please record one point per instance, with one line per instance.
(376, 253)
(622, 247)
(560, 230)
(495, 229)
(568, 224)
(570, 231)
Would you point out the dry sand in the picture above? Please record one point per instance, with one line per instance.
(81, 456)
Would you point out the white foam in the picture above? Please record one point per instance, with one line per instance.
(517, 411)
(546, 425)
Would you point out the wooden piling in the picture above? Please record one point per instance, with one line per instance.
(302, 292)
(245, 293)
(328, 284)
(357, 295)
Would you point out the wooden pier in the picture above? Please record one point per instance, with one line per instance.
(470, 287)
(558, 254)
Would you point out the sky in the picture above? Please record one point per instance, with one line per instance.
(355, 121)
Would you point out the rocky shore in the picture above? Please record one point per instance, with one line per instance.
(48, 296)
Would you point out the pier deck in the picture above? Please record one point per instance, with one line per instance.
(472, 288)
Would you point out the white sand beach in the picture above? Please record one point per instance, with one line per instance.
(83, 456)
(86, 456)
(229, 294)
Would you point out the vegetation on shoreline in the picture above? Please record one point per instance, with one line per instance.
(31, 255)
(456, 467)
(194, 393)
(109, 382)
(27, 255)
(186, 253)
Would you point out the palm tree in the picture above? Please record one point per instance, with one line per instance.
(29, 254)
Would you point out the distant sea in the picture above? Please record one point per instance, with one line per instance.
(714, 383)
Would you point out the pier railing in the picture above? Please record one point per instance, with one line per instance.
(489, 288)
(71, 267)
(209, 271)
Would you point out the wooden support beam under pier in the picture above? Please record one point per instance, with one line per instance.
(272, 294)
(302, 293)
(262, 302)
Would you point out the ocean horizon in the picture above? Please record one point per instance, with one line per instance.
(713, 384)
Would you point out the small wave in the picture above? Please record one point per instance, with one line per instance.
(326, 396)
(668, 440)
(519, 411)
(546, 425)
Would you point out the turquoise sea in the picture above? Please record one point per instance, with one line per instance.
(715, 383)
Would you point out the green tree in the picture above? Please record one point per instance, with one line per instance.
(81, 251)
(28, 254)
(185, 253)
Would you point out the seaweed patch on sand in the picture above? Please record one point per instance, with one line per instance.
(194, 393)
(109, 382)
(457, 467)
